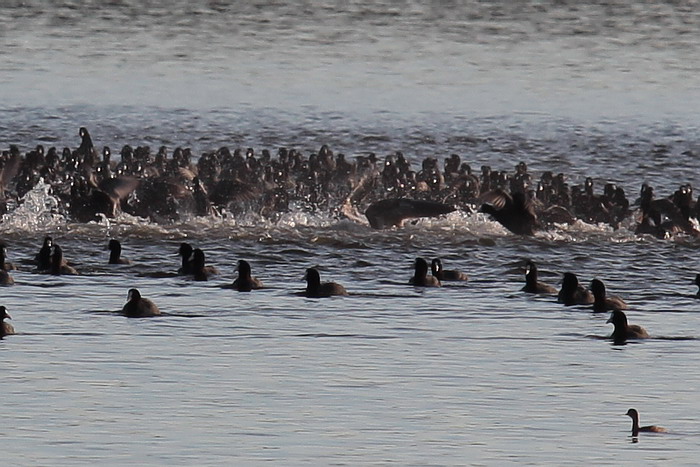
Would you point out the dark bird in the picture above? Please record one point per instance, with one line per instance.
(245, 282)
(602, 302)
(420, 275)
(58, 265)
(139, 307)
(572, 293)
(697, 282)
(446, 274)
(394, 211)
(115, 251)
(316, 289)
(43, 258)
(623, 330)
(6, 328)
(636, 429)
(200, 271)
(532, 285)
(185, 252)
(515, 213)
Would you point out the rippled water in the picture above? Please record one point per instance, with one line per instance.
(473, 373)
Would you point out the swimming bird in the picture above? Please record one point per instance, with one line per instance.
(58, 265)
(697, 282)
(245, 282)
(199, 270)
(316, 289)
(7, 266)
(139, 307)
(185, 252)
(115, 251)
(394, 211)
(516, 213)
(602, 302)
(532, 285)
(446, 275)
(6, 328)
(572, 293)
(420, 275)
(636, 429)
(623, 330)
(43, 258)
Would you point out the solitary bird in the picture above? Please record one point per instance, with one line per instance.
(6, 328)
(138, 307)
(602, 302)
(636, 429)
(446, 274)
(623, 330)
(572, 293)
(316, 289)
(245, 282)
(115, 252)
(532, 285)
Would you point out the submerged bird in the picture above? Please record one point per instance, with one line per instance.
(115, 251)
(420, 275)
(572, 293)
(602, 302)
(446, 275)
(394, 211)
(532, 285)
(245, 282)
(6, 328)
(636, 429)
(139, 307)
(623, 330)
(316, 289)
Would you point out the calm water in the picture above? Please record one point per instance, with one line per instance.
(473, 373)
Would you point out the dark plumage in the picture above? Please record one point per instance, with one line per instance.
(515, 213)
(392, 212)
(3, 259)
(115, 251)
(58, 264)
(6, 328)
(446, 275)
(623, 330)
(43, 258)
(420, 275)
(697, 282)
(572, 293)
(532, 285)
(316, 289)
(185, 252)
(636, 429)
(602, 302)
(245, 282)
(139, 307)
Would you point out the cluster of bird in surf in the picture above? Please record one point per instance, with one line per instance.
(50, 260)
(164, 187)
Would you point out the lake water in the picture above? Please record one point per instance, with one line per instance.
(475, 373)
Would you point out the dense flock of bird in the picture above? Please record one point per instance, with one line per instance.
(164, 187)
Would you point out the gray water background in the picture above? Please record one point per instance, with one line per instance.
(470, 374)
